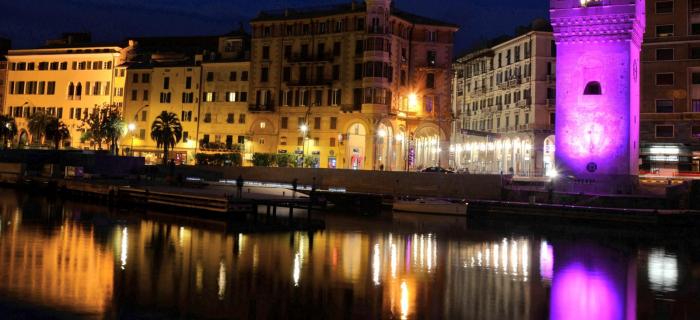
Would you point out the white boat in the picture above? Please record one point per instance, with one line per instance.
(432, 206)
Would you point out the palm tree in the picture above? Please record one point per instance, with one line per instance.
(56, 131)
(166, 130)
(37, 125)
(8, 129)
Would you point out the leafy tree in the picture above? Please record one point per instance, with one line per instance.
(166, 130)
(104, 126)
(8, 129)
(37, 125)
(56, 131)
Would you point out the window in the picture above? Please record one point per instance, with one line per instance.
(287, 74)
(336, 49)
(664, 54)
(430, 81)
(232, 76)
(187, 97)
(593, 89)
(145, 78)
(209, 96)
(359, 47)
(207, 117)
(431, 36)
(695, 78)
(188, 83)
(165, 97)
(264, 74)
(134, 95)
(664, 7)
(664, 106)
(135, 78)
(358, 71)
(241, 118)
(166, 83)
(664, 79)
(665, 30)
(695, 29)
(244, 76)
(695, 132)
(145, 95)
(144, 114)
(695, 53)
(210, 76)
(334, 123)
(665, 131)
(230, 96)
(332, 142)
(695, 105)
(317, 123)
(266, 53)
(336, 72)
(51, 87)
(432, 58)
(284, 122)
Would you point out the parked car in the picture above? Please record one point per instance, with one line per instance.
(437, 170)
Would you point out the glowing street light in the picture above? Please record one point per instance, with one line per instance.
(413, 102)
(304, 128)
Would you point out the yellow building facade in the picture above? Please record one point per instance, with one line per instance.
(66, 81)
(355, 86)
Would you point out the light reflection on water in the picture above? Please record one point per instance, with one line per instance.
(84, 259)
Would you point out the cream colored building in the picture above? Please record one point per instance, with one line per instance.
(503, 97)
(63, 79)
(204, 81)
(354, 85)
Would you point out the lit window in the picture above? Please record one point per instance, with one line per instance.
(263, 125)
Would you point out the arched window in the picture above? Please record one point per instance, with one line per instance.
(79, 90)
(593, 89)
(71, 89)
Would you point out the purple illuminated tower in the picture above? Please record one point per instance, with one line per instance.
(597, 113)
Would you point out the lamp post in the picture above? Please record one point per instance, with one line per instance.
(304, 128)
(132, 127)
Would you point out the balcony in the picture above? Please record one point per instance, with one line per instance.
(311, 58)
(523, 103)
(348, 108)
(551, 103)
(260, 108)
(309, 83)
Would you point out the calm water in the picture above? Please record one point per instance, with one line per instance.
(67, 259)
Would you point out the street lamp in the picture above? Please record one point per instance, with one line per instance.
(131, 128)
(304, 128)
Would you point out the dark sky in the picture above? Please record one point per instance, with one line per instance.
(30, 22)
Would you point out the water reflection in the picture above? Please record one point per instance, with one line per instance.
(89, 260)
(662, 270)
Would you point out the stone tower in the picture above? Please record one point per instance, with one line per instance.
(597, 108)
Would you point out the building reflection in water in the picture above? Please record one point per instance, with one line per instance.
(66, 268)
(169, 269)
(592, 282)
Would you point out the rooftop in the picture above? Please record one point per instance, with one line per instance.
(343, 8)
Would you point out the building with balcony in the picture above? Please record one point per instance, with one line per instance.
(68, 78)
(670, 93)
(203, 80)
(5, 45)
(503, 99)
(354, 86)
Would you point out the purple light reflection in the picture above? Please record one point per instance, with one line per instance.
(546, 261)
(580, 293)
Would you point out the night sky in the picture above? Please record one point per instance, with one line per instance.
(30, 22)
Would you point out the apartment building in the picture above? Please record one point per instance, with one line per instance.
(355, 85)
(670, 70)
(203, 80)
(68, 78)
(5, 45)
(504, 99)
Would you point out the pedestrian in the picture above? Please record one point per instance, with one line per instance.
(295, 184)
(239, 186)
